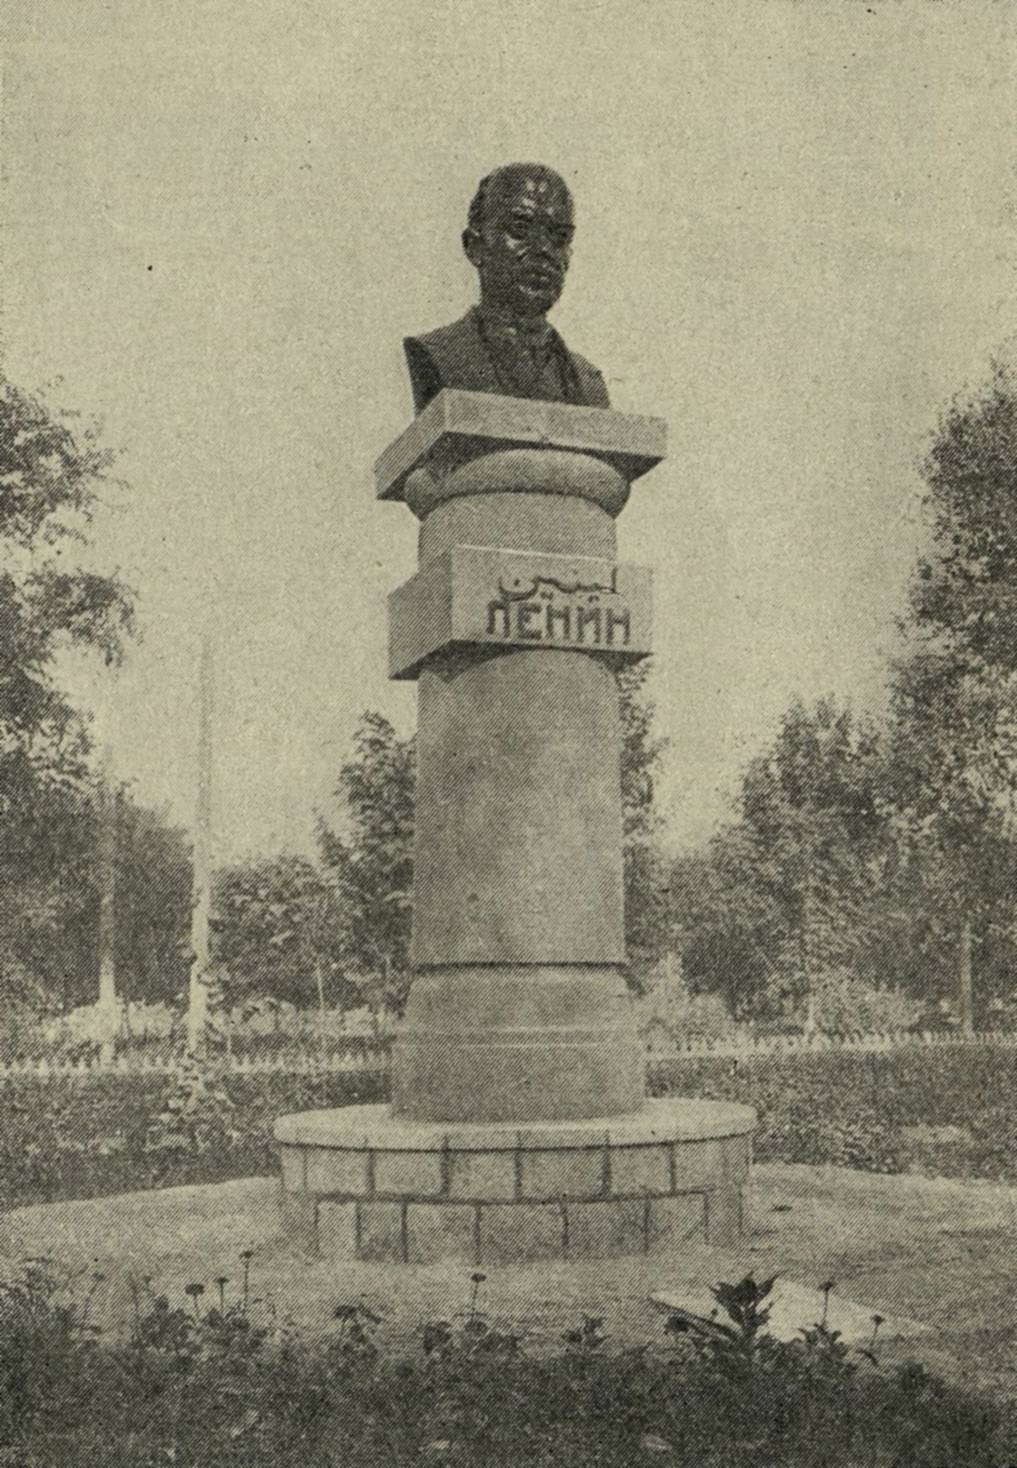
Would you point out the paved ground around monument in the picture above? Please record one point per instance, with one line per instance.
(936, 1251)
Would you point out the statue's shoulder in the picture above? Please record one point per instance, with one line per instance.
(591, 382)
(445, 338)
(451, 356)
(455, 356)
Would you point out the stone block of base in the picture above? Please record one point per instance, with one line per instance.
(642, 1171)
(675, 1222)
(515, 1233)
(359, 1183)
(726, 1216)
(607, 1229)
(337, 1231)
(380, 1231)
(445, 1231)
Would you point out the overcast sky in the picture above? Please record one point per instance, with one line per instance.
(796, 229)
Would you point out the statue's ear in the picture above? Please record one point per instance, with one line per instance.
(472, 246)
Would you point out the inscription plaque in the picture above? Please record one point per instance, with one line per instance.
(478, 594)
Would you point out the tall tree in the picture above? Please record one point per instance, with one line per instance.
(964, 592)
(783, 896)
(729, 926)
(52, 477)
(51, 935)
(372, 862)
(153, 904)
(954, 739)
(648, 918)
(276, 926)
(950, 776)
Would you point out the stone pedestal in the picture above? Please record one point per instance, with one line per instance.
(517, 1074)
(361, 1185)
(513, 627)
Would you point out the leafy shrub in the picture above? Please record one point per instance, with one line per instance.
(88, 1136)
(670, 1007)
(213, 1386)
(155, 1031)
(849, 1005)
(79, 1032)
(197, 1115)
(850, 1108)
(82, 1137)
(846, 1004)
(25, 1008)
(40, 1334)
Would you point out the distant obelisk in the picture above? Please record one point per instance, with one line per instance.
(197, 998)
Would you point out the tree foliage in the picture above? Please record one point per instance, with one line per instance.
(371, 864)
(784, 894)
(152, 904)
(276, 927)
(52, 477)
(51, 914)
(964, 593)
(953, 761)
(872, 850)
(50, 488)
(648, 925)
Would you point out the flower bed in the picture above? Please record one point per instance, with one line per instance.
(211, 1382)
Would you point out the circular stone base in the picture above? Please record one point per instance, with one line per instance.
(359, 1183)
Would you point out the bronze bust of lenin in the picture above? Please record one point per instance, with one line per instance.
(519, 238)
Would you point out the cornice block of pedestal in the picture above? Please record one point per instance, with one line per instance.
(473, 423)
(479, 595)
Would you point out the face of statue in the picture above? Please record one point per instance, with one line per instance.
(522, 251)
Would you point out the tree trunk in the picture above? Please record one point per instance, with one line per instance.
(386, 969)
(965, 998)
(809, 1026)
(106, 881)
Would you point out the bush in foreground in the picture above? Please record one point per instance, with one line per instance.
(211, 1385)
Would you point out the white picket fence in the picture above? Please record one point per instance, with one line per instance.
(746, 1046)
(302, 1061)
(290, 1062)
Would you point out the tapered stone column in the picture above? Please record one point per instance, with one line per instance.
(514, 627)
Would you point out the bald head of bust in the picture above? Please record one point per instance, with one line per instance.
(519, 238)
